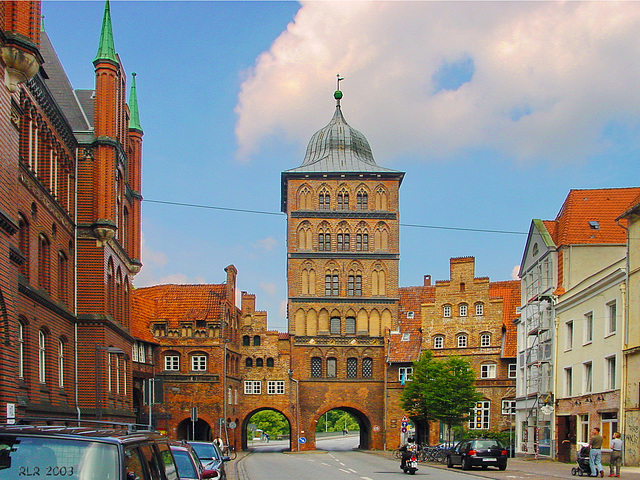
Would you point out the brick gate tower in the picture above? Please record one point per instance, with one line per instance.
(342, 273)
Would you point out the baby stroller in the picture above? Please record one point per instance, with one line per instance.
(583, 467)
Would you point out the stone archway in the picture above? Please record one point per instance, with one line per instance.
(244, 428)
(363, 422)
(186, 431)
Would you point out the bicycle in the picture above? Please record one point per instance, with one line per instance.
(230, 451)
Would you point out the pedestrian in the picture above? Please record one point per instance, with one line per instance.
(218, 441)
(595, 453)
(266, 437)
(616, 455)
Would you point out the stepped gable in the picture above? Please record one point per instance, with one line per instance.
(509, 292)
(596, 205)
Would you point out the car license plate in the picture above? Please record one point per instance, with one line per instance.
(488, 459)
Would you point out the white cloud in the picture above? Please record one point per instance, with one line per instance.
(267, 244)
(549, 76)
(514, 272)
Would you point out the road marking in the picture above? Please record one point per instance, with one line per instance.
(343, 470)
(366, 478)
(327, 464)
(352, 470)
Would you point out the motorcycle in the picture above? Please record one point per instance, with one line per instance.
(411, 465)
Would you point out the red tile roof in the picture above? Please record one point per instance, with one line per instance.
(410, 300)
(596, 205)
(175, 303)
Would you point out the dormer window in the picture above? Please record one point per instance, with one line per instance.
(406, 337)
(594, 225)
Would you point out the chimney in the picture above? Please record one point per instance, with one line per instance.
(427, 281)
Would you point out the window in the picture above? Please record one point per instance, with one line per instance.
(252, 387)
(362, 242)
(463, 309)
(199, 363)
(354, 285)
(316, 367)
(331, 285)
(569, 331)
(362, 201)
(462, 341)
(63, 276)
(246, 341)
(367, 367)
(438, 341)
(588, 377)
(248, 363)
(568, 382)
(479, 309)
(334, 326)
(270, 362)
(43, 262)
(259, 362)
(20, 350)
(332, 367)
(172, 362)
(508, 407)
(488, 370)
(513, 370)
(405, 337)
(612, 322)
(479, 419)
(405, 374)
(446, 311)
(352, 367)
(343, 201)
(60, 363)
(588, 327)
(256, 340)
(275, 387)
(350, 326)
(42, 345)
(324, 201)
(583, 428)
(610, 366)
(485, 340)
(141, 353)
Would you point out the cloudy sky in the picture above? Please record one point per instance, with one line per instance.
(494, 110)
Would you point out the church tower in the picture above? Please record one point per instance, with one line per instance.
(342, 273)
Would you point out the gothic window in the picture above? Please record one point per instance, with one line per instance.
(248, 363)
(63, 278)
(354, 287)
(362, 200)
(308, 283)
(44, 262)
(352, 367)
(324, 200)
(304, 196)
(381, 199)
(332, 367)
(367, 367)
(362, 241)
(316, 367)
(110, 288)
(343, 200)
(334, 326)
(350, 326)
(381, 238)
(304, 236)
(324, 242)
(23, 243)
(331, 284)
(378, 282)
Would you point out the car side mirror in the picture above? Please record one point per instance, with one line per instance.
(209, 474)
(226, 458)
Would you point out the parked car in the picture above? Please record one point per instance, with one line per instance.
(478, 452)
(211, 457)
(189, 465)
(89, 453)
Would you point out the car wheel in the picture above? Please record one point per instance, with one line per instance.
(466, 464)
(502, 467)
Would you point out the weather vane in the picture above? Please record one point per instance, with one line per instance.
(338, 82)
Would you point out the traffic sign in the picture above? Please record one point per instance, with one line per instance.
(405, 419)
(403, 429)
(376, 428)
(302, 440)
(232, 425)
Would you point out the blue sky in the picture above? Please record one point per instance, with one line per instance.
(494, 110)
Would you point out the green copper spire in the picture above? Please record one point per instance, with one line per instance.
(134, 119)
(106, 49)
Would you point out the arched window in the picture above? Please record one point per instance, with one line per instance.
(367, 367)
(362, 200)
(381, 198)
(246, 340)
(462, 340)
(485, 340)
(248, 363)
(199, 362)
(446, 311)
(304, 197)
(44, 273)
(110, 288)
(334, 326)
(270, 362)
(324, 241)
(343, 200)
(259, 362)
(479, 309)
(352, 367)
(350, 326)
(332, 367)
(331, 284)
(23, 243)
(42, 357)
(354, 284)
(324, 200)
(60, 363)
(171, 361)
(438, 342)
(362, 241)
(462, 309)
(256, 340)
(316, 367)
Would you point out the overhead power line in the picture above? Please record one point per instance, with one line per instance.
(261, 212)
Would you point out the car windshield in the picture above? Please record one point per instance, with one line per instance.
(205, 451)
(24, 456)
(478, 444)
(186, 468)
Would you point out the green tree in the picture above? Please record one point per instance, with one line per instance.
(272, 422)
(440, 389)
(335, 421)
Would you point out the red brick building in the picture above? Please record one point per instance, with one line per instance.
(70, 218)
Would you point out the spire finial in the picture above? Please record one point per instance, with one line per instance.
(106, 48)
(134, 118)
(338, 94)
